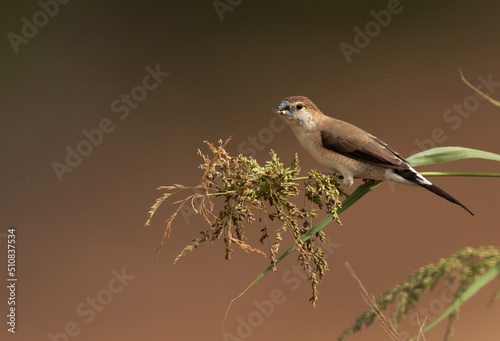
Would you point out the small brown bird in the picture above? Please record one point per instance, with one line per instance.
(349, 150)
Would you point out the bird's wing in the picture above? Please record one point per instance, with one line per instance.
(351, 141)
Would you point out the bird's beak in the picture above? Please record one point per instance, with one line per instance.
(284, 109)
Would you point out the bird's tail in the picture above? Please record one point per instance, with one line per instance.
(413, 176)
(443, 194)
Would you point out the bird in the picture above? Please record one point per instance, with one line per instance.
(349, 150)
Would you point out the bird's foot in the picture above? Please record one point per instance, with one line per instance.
(348, 181)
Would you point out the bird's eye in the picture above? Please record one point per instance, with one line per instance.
(299, 106)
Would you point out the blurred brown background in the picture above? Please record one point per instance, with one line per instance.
(76, 236)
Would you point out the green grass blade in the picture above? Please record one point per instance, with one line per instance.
(477, 174)
(445, 154)
(355, 196)
(471, 291)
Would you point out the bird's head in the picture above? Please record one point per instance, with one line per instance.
(299, 111)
